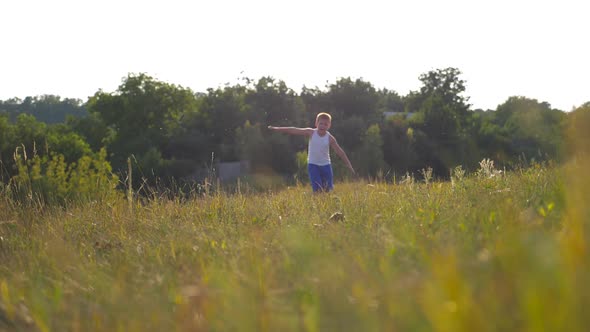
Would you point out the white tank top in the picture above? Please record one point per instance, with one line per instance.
(318, 150)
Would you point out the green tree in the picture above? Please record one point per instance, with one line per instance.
(577, 133)
(252, 146)
(272, 102)
(315, 101)
(349, 131)
(398, 151)
(29, 133)
(443, 116)
(93, 129)
(444, 109)
(143, 115)
(535, 129)
(64, 141)
(7, 142)
(49, 109)
(369, 159)
(389, 101)
(222, 111)
(492, 141)
(34, 138)
(354, 98)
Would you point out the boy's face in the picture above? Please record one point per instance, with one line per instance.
(323, 125)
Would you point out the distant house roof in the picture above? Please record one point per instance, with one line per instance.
(407, 115)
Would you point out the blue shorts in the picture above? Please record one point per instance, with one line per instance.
(321, 177)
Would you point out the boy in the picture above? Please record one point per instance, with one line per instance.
(319, 165)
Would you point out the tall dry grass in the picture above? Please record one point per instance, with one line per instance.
(487, 251)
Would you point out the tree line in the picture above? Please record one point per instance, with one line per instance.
(170, 131)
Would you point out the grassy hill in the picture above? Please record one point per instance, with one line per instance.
(485, 252)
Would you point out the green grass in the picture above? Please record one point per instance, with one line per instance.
(501, 253)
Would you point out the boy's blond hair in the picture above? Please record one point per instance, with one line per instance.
(323, 115)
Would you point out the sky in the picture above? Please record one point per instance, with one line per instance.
(74, 48)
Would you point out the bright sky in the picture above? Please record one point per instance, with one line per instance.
(72, 48)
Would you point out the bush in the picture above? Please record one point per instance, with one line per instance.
(51, 180)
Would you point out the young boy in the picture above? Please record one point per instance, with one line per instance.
(319, 165)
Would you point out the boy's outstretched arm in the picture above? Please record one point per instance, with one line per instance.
(293, 130)
(334, 144)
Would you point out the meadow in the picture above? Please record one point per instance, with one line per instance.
(485, 251)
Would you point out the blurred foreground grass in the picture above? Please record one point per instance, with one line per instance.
(485, 252)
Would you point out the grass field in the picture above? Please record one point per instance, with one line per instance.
(484, 252)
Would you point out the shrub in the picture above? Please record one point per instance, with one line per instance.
(50, 179)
